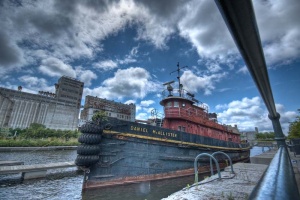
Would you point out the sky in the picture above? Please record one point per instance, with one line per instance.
(125, 50)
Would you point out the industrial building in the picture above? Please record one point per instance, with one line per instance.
(57, 110)
(111, 108)
(249, 136)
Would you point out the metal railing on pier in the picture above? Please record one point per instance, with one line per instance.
(279, 180)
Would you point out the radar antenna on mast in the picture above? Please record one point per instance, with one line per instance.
(178, 77)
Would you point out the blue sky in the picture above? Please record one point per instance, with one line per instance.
(125, 50)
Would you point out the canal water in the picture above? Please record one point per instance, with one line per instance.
(66, 183)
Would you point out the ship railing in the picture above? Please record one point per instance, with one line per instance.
(184, 94)
(182, 112)
(177, 112)
(177, 93)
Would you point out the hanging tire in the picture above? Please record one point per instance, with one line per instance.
(90, 128)
(86, 149)
(89, 138)
(84, 160)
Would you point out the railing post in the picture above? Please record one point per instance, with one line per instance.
(279, 136)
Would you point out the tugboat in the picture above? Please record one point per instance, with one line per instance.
(115, 152)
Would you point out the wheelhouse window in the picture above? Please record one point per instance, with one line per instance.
(176, 104)
(169, 104)
(181, 128)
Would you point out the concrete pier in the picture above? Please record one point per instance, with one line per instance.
(234, 186)
(264, 158)
(49, 148)
(230, 186)
(34, 171)
(10, 163)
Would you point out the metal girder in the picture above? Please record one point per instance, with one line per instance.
(240, 19)
(278, 181)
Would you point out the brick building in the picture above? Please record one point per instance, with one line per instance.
(111, 108)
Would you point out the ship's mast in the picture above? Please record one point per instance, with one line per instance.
(178, 77)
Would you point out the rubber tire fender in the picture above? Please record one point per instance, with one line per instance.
(88, 149)
(89, 138)
(91, 128)
(86, 160)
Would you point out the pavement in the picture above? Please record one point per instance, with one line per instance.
(234, 186)
(295, 159)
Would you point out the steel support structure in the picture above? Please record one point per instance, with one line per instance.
(240, 19)
(278, 181)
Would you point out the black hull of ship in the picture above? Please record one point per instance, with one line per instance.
(132, 152)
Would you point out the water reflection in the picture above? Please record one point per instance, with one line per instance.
(67, 183)
(153, 190)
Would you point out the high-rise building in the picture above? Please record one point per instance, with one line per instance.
(56, 111)
(69, 90)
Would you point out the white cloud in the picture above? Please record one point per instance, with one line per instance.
(106, 65)
(73, 31)
(147, 103)
(34, 84)
(243, 70)
(134, 82)
(131, 57)
(250, 113)
(10, 53)
(56, 68)
(85, 76)
(278, 23)
(138, 108)
(221, 106)
(203, 26)
(129, 102)
(142, 116)
(194, 83)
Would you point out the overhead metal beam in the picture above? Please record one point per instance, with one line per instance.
(240, 19)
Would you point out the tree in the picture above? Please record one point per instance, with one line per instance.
(37, 126)
(294, 128)
(265, 136)
(99, 117)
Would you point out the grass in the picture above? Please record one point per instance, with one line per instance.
(22, 142)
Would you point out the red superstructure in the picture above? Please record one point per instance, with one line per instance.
(184, 113)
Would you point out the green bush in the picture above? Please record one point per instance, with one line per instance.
(38, 135)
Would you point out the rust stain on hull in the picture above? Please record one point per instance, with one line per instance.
(87, 185)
